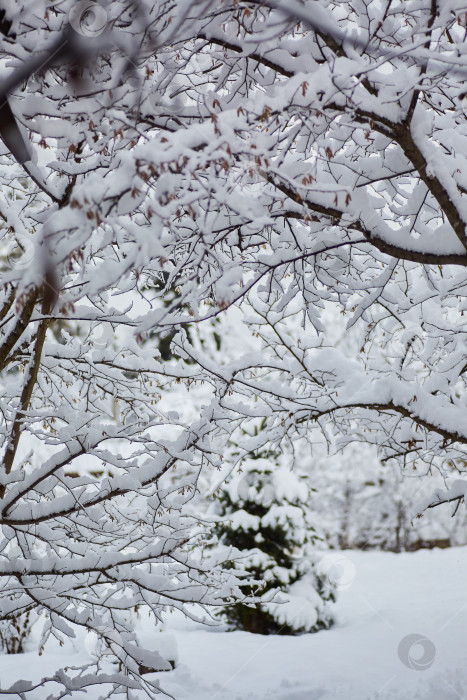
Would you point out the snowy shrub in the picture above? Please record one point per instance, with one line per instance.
(165, 644)
(14, 633)
(265, 513)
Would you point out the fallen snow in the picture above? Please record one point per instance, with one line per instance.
(391, 596)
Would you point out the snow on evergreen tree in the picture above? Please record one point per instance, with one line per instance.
(265, 514)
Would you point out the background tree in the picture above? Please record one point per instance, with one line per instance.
(266, 513)
(366, 504)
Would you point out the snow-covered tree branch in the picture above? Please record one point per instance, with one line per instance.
(300, 164)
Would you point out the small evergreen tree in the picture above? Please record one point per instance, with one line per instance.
(265, 513)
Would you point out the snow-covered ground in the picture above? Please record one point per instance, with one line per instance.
(367, 654)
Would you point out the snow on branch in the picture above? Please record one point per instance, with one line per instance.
(454, 494)
(239, 224)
